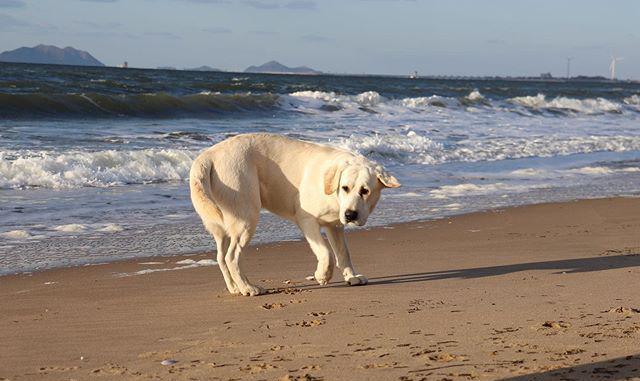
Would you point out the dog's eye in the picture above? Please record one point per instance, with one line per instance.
(364, 191)
(345, 188)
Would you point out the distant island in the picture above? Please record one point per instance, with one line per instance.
(203, 68)
(274, 67)
(48, 54)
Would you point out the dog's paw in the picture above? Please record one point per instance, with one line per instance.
(323, 276)
(251, 290)
(357, 280)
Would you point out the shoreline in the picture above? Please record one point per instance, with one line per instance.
(531, 292)
(211, 251)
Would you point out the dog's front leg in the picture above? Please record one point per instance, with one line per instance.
(311, 230)
(339, 245)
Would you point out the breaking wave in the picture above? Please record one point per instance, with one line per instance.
(582, 106)
(416, 149)
(373, 102)
(22, 169)
(211, 104)
(25, 169)
(633, 100)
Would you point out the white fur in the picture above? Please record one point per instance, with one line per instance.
(310, 184)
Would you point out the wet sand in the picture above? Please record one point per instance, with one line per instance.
(539, 292)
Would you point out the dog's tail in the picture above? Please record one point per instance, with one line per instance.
(201, 194)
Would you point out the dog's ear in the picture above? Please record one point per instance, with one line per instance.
(386, 178)
(332, 177)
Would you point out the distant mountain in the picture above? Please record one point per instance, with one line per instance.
(275, 67)
(47, 54)
(203, 68)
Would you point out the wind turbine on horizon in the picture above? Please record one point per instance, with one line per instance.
(569, 59)
(612, 66)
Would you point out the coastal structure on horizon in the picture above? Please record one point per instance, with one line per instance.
(612, 66)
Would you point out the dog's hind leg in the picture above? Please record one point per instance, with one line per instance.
(311, 231)
(222, 246)
(240, 235)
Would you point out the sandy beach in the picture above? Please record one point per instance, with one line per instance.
(540, 292)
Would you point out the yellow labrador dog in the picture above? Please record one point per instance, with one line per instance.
(313, 185)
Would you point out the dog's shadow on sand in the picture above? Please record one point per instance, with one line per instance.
(566, 266)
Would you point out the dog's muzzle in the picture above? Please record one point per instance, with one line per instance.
(350, 215)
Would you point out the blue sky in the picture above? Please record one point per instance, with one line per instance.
(466, 37)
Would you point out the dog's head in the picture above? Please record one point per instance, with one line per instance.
(357, 183)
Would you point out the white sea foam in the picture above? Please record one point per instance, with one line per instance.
(592, 171)
(409, 148)
(633, 100)
(409, 194)
(475, 95)
(16, 234)
(184, 264)
(585, 106)
(413, 148)
(318, 100)
(369, 98)
(601, 170)
(19, 169)
(110, 228)
(528, 172)
(39, 232)
(70, 228)
(532, 173)
(469, 189)
(426, 102)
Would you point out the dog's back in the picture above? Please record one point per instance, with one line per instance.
(254, 170)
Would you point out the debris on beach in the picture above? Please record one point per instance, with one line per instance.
(624, 310)
(556, 324)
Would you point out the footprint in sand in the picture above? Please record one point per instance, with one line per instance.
(271, 306)
(112, 369)
(446, 357)
(379, 365)
(46, 369)
(304, 377)
(307, 324)
(257, 368)
(555, 325)
(320, 313)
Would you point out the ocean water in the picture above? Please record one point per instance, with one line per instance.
(94, 161)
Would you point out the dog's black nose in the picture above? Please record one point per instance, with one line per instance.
(351, 215)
